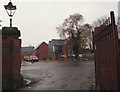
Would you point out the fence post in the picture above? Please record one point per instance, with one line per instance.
(116, 41)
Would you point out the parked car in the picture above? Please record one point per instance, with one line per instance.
(34, 59)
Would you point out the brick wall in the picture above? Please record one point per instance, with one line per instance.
(11, 58)
(11, 62)
(34, 52)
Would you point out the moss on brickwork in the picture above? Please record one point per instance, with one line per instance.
(17, 82)
(10, 32)
(14, 83)
(10, 28)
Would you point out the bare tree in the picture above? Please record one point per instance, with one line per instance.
(86, 35)
(70, 26)
(104, 20)
(118, 26)
(73, 29)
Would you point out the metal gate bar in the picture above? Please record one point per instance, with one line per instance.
(105, 39)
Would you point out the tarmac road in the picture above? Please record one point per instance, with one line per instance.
(58, 75)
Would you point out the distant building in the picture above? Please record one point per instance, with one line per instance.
(55, 48)
(67, 49)
(26, 51)
(42, 51)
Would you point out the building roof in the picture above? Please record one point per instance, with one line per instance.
(58, 42)
(40, 45)
(27, 49)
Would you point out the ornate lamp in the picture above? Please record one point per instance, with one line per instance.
(10, 8)
(10, 31)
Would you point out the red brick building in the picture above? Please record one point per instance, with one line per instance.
(67, 50)
(33, 52)
(42, 51)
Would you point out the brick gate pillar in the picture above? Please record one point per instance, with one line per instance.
(11, 58)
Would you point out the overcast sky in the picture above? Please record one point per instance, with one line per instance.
(37, 21)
